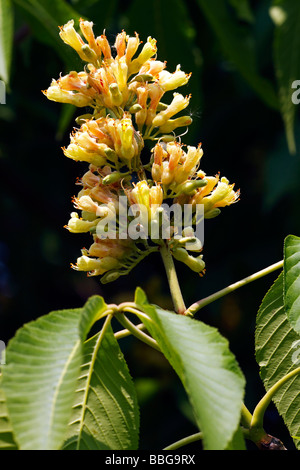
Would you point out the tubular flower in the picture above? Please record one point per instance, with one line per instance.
(105, 142)
(214, 195)
(148, 201)
(173, 167)
(103, 256)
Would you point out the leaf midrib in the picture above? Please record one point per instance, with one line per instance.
(59, 386)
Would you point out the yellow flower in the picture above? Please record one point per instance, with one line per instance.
(150, 198)
(170, 81)
(62, 93)
(95, 266)
(172, 166)
(223, 195)
(77, 225)
(178, 103)
(105, 141)
(72, 38)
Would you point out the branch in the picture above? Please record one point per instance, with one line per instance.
(227, 290)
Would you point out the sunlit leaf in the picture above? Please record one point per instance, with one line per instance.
(277, 348)
(105, 412)
(292, 280)
(208, 370)
(39, 379)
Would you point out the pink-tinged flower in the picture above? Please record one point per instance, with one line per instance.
(105, 142)
(173, 166)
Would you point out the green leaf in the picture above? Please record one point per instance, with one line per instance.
(45, 18)
(6, 38)
(237, 442)
(238, 44)
(243, 10)
(7, 441)
(277, 348)
(106, 414)
(286, 17)
(39, 378)
(206, 367)
(291, 284)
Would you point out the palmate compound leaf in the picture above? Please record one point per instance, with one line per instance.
(277, 348)
(39, 378)
(105, 412)
(291, 280)
(207, 369)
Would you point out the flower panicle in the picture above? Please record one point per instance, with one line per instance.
(124, 86)
(121, 79)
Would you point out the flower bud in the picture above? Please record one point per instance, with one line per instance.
(117, 97)
(173, 124)
(89, 54)
(212, 213)
(112, 178)
(83, 118)
(135, 108)
(110, 277)
(190, 186)
(142, 77)
(196, 264)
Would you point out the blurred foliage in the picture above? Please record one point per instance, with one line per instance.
(244, 56)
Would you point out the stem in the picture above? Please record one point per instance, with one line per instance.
(137, 332)
(123, 333)
(246, 417)
(258, 414)
(217, 295)
(186, 440)
(173, 280)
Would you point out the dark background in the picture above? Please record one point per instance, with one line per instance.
(242, 137)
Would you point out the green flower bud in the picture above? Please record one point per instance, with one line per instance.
(90, 55)
(212, 213)
(135, 108)
(81, 119)
(112, 178)
(142, 77)
(110, 277)
(189, 187)
(117, 97)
